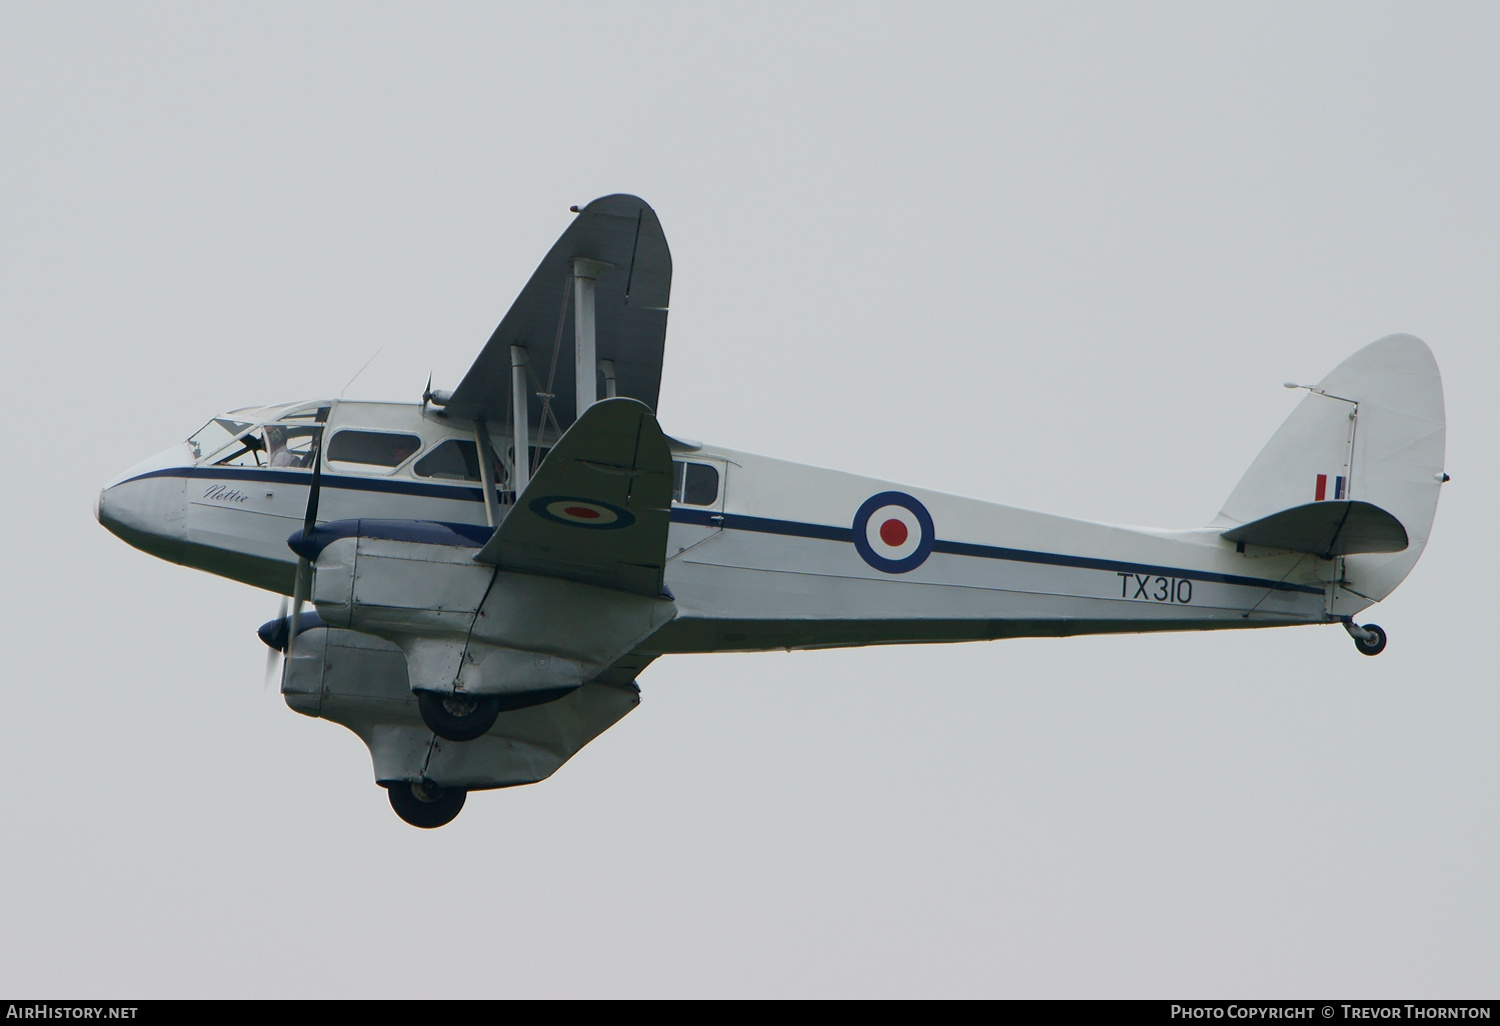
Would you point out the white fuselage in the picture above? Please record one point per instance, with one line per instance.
(779, 555)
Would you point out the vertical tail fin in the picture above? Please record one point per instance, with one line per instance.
(1373, 430)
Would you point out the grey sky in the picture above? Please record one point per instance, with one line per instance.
(1058, 256)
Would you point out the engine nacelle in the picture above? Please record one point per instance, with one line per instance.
(466, 626)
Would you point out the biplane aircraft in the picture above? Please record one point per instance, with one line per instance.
(491, 568)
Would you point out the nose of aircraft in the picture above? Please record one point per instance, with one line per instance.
(146, 506)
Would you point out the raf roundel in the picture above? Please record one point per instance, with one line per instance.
(893, 532)
(587, 513)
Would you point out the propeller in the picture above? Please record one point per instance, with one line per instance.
(442, 397)
(303, 582)
(273, 654)
(277, 635)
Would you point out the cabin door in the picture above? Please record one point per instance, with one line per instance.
(698, 487)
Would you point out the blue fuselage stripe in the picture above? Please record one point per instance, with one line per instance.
(732, 522)
(1115, 566)
(762, 525)
(389, 486)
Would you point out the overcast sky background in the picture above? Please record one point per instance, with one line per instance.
(1054, 255)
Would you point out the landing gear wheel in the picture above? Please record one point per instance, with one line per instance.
(1371, 646)
(425, 804)
(458, 717)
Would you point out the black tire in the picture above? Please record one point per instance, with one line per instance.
(425, 804)
(1374, 647)
(457, 717)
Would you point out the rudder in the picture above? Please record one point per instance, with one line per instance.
(1372, 430)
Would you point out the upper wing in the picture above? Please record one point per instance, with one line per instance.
(630, 299)
(597, 509)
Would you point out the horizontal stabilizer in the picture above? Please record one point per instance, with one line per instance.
(1325, 529)
(597, 509)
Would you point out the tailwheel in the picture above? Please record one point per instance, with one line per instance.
(458, 717)
(425, 804)
(1369, 639)
(1373, 643)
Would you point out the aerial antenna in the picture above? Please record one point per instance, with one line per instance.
(361, 371)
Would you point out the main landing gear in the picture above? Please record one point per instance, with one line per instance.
(464, 717)
(458, 717)
(1369, 639)
(425, 804)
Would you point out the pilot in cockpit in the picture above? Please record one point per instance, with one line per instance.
(278, 453)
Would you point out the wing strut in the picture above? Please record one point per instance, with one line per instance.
(486, 471)
(585, 361)
(520, 419)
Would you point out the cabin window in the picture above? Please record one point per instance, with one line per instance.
(373, 448)
(694, 484)
(457, 460)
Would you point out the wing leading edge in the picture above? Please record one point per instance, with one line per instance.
(631, 296)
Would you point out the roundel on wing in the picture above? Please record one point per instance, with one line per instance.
(574, 512)
(893, 532)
